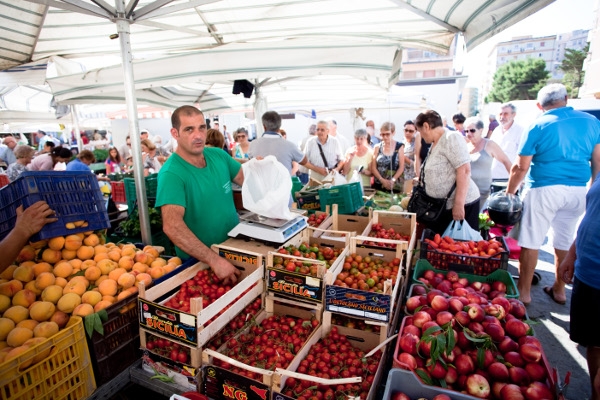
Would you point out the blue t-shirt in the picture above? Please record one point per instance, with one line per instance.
(587, 265)
(77, 165)
(561, 142)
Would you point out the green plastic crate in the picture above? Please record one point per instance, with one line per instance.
(348, 197)
(296, 185)
(498, 275)
(130, 195)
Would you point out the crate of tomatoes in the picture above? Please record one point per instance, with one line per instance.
(474, 257)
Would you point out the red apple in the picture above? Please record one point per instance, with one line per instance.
(478, 386)
(511, 392)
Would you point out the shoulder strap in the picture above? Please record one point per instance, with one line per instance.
(322, 155)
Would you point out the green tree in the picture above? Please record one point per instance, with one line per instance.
(572, 66)
(518, 80)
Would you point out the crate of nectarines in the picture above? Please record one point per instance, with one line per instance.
(475, 257)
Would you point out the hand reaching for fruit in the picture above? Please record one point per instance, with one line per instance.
(225, 271)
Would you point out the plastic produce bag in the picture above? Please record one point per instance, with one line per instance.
(267, 188)
(461, 230)
(335, 178)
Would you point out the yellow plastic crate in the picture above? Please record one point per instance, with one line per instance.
(65, 373)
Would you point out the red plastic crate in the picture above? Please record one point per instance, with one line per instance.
(118, 191)
(4, 180)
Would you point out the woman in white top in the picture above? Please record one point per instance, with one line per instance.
(359, 158)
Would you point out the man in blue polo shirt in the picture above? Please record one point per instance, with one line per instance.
(561, 151)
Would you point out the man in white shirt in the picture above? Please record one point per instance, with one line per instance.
(7, 156)
(324, 152)
(508, 136)
(333, 132)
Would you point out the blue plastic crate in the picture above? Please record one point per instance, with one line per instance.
(73, 195)
(349, 197)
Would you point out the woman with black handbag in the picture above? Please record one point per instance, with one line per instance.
(445, 191)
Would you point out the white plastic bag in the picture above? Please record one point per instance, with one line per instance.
(461, 230)
(267, 188)
(335, 178)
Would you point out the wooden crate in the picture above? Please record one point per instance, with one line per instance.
(191, 328)
(273, 306)
(366, 341)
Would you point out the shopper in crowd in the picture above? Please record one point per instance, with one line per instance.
(151, 159)
(324, 153)
(144, 134)
(271, 143)
(421, 151)
(581, 267)
(82, 163)
(344, 143)
(242, 146)
(372, 139)
(214, 138)
(194, 193)
(7, 155)
(113, 163)
(29, 222)
(447, 163)
(559, 153)
(48, 147)
(459, 121)
(43, 137)
(24, 154)
(493, 125)
(483, 151)
(358, 159)
(46, 162)
(387, 165)
(410, 132)
(125, 149)
(303, 171)
(508, 136)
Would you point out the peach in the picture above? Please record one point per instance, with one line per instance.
(6, 325)
(11, 287)
(85, 252)
(102, 305)
(68, 254)
(18, 336)
(31, 286)
(68, 302)
(91, 297)
(5, 303)
(44, 280)
(27, 253)
(126, 280)
(108, 287)
(46, 329)
(41, 267)
(61, 318)
(126, 263)
(93, 273)
(8, 272)
(83, 309)
(75, 286)
(63, 269)
(51, 256)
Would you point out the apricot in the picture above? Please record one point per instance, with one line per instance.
(169, 267)
(143, 277)
(18, 336)
(73, 242)
(44, 280)
(102, 305)
(27, 253)
(6, 325)
(91, 240)
(159, 262)
(116, 273)
(140, 268)
(93, 273)
(40, 354)
(151, 250)
(68, 302)
(85, 252)
(28, 323)
(124, 294)
(5, 303)
(24, 273)
(81, 279)
(63, 269)
(23, 298)
(46, 329)
(51, 256)
(126, 263)
(175, 260)
(16, 313)
(61, 318)
(126, 280)
(106, 266)
(42, 311)
(100, 280)
(91, 297)
(86, 264)
(128, 250)
(56, 243)
(10, 288)
(101, 256)
(31, 286)
(62, 282)
(16, 352)
(68, 254)
(41, 267)
(156, 272)
(110, 299)
(83, 309)
(108, 287)
(100, 248)
(8, 272)
(75, 286)
(52, 293)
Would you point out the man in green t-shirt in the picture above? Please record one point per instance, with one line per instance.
(194, 193)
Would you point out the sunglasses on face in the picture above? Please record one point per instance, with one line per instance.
(471, 130)
(409, 130)
(385, 134)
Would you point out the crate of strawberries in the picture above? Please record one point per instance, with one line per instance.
(475, 257)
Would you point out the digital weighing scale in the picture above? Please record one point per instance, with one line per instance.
(266, 229)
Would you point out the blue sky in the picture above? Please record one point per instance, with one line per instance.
(559, 17)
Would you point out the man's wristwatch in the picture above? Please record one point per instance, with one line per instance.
(393, 179)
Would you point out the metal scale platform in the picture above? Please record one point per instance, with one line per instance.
(265, 229)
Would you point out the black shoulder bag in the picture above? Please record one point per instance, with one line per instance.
(323, 156)
(427, 208)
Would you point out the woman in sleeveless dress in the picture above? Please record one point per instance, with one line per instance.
(483, 151)
(388, 161)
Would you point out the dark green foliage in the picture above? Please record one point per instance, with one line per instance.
(518, 80)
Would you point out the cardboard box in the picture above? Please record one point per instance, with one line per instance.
(184, 375)
(191, 328)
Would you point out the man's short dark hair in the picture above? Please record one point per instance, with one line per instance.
(187, 111)
(272, 121)
(458, 118)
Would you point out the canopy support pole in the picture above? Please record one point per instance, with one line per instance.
(77, 132)
(260, 107)
(123, 29)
